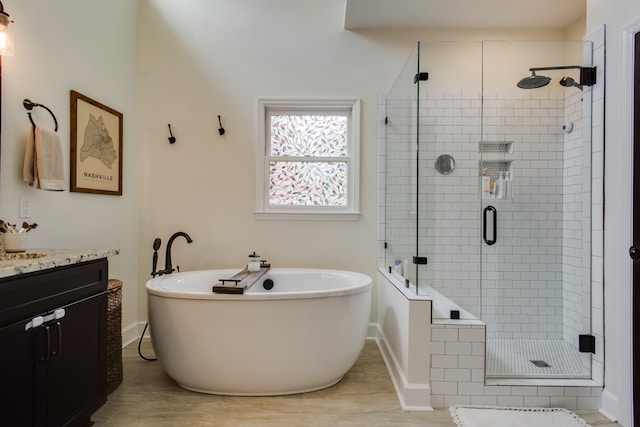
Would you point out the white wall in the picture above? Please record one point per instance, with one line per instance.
(59, 46)
(619, 16)
(217, 58)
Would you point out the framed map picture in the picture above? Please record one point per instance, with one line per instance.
(96, 147)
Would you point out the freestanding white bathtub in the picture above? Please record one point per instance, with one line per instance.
(302, 335)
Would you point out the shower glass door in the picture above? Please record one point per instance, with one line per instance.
(401, 172)
(450, 128)
(535, 151)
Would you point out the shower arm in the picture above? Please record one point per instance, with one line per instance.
(563, 67)
(587, 74)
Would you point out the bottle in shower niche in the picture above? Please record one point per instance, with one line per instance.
(509, 186)
(486, 183)
(501, 187)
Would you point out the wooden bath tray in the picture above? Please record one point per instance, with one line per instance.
(241, 281)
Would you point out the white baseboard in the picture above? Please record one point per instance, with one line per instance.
(132, 333)
(412, 397)
(609, 406)
(372, 332)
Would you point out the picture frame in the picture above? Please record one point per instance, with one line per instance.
(96, 147)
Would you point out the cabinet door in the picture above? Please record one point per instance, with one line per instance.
(17, 375)
(77, 377)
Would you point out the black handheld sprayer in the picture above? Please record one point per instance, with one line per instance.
(156, 245)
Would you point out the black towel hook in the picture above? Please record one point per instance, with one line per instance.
(172, 139)
(28, 104)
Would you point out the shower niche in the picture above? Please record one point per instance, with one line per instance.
(497, 163)
(532, 285)
(498, 147)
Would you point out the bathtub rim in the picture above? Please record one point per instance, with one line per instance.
(364, 284)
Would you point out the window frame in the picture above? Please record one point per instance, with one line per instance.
(266, 106)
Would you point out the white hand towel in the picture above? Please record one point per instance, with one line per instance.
(43, 162)
(28, 170)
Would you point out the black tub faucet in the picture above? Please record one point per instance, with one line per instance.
(168, 268)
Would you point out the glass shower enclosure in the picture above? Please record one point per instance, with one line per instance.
(488, 197)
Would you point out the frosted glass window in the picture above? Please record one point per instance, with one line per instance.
(307, 184)
(309, 135)
(308, 159)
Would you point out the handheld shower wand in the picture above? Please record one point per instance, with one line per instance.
(156, 245)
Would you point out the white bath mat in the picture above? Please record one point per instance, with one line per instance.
(493, 416)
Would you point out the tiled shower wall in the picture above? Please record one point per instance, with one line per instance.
(522, 288)
(522, 295)
(458, 376)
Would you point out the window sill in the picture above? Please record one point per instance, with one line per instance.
(300, 216)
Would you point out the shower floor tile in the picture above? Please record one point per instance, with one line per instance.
(527, 358)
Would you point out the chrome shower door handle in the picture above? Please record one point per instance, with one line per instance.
(494, 236)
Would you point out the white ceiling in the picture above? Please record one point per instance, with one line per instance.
(467, 14)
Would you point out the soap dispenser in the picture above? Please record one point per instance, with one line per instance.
(253, 263)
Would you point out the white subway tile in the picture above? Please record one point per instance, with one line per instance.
(456, 400)
(443, 387)
(470, 388)
(592, 403)
(564, 402)
(496, 390)
(437, 374)
(516, 401)
(484, 400)
(459, 375)
(458, 348)
(537, 402)
(443, 361)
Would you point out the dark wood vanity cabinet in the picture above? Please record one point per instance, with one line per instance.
(53, 340)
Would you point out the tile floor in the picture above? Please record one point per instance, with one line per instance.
(511, 358)
(365, 397)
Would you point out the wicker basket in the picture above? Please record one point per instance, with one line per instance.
(114, 334)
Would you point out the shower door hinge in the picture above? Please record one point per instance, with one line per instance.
(587, 344)
(419, 259)
(386, 120)
(587, 76)
(386, 245)
(420, 77)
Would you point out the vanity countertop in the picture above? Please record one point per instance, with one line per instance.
(52, 258)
